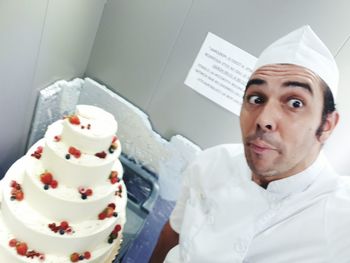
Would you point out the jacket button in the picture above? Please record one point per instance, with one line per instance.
(210, 219)
(241, 246)
(187, 258)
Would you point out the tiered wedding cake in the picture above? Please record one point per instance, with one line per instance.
(64, 201)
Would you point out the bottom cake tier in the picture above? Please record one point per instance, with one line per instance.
(105, 253)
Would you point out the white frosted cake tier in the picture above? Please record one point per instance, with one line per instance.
(26, 223)
(88, 169)
(8, 255)
(95, 130)
(67, 201)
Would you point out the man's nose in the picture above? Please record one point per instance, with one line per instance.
(268, 117)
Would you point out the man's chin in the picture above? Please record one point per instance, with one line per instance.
(262, 170)
(266, 173)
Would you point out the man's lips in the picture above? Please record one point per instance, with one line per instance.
(260, 147)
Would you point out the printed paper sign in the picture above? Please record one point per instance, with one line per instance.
(220, 72)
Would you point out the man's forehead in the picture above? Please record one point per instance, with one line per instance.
(285, 69)
(288, 72)
(289, 75)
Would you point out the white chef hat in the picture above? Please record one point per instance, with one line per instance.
(303, 47)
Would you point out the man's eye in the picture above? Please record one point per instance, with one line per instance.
(254, 99)
(295, 103)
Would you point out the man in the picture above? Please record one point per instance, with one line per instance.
(280, 201)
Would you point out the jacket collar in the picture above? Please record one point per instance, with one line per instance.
(300, 181)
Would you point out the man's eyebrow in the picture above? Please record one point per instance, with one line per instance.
(255, 81)
(298, 84)
(258, 81)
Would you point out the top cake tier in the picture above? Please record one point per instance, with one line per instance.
(90, 129)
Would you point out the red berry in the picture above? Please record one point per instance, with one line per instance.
(13, 184)
(87, 255)
(102, 215)
(114, 180)
(54, 184)
(101, 155)
(114, 177)
(36, 155)
(74, 119)
(117, 228)
(19, 196)
(88, 192)
(21, 248)
(46, 178)
(74, 257)
(64, 225)
(112, 205)
(32, 254)
(13, 242)
(74, 151)
(77, 154)
(57, 138)
(39, 149)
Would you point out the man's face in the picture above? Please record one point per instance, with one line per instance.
(281, 112)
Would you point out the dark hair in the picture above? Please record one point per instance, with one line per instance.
(328, 106)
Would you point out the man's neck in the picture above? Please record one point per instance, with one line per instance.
(260, 181)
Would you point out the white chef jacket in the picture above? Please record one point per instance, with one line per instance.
(223, 216)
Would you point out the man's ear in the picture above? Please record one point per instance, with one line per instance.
(329, 125)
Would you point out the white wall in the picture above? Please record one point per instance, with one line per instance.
(41, 41)
(338, 147)
(21, 24)
(144, 50)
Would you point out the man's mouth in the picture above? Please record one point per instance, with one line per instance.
(260, 147)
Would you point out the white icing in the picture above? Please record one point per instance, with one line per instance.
(9, 255)
(92, 170)
(98, 137)
(31, 225)
(28, 220)
(67, 201)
